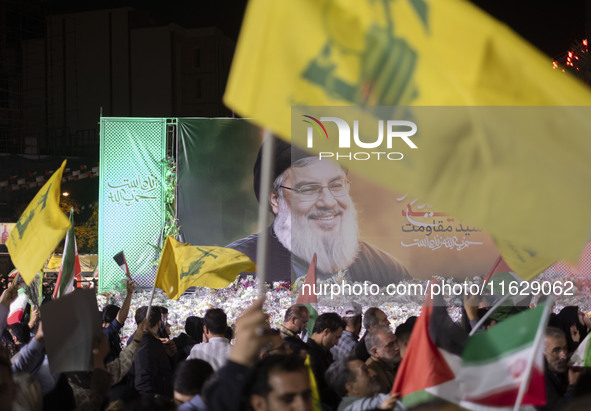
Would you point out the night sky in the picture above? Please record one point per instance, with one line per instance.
(551, 25)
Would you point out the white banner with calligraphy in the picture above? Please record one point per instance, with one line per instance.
(131, 199)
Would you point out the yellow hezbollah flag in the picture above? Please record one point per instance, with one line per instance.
(39, 229)
(521, 173)
(184, 265)
(316, 404)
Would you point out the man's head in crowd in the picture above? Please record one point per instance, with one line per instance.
(556, 350)
(374, 316)
(164, 330)
(155, 319)
(296, 318)
(281, 382)
(194, 328)
(352, 318)
(403, 332)
(21, 333)
(328, 330)
(215, 323)
(109, 314)
(350, 377)
(189, 378)
(381, 344)
(275, 344)
(296, 346)
(140, 314)
(315, 214)
(164, 312)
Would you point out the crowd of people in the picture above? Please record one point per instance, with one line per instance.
(245, 364)
(222, 363)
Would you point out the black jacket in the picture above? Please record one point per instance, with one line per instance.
(153, 371)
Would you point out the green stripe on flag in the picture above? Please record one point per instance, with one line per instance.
(418, 397)
(312, 317)
(587, 357)
(508, 336)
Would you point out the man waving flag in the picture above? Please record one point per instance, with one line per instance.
(39, 229)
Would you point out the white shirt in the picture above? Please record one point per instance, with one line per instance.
(215, 352)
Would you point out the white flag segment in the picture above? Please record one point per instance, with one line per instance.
(503, 376)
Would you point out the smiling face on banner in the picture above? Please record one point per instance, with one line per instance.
(315, 220)
(315, 214)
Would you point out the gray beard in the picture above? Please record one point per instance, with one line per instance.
(335, 250)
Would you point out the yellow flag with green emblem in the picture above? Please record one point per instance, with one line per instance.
(39, 229)
(316, 404)
(184, 265)
(520, 172)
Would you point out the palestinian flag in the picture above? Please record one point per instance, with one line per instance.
(432, 360)
(310, 299)
(122, 263)
(498, 362)
(70, 266)
(582, 355)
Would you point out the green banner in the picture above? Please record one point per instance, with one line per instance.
(215, 198)
(131, 198)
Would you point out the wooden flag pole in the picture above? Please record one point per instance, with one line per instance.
(266, 173)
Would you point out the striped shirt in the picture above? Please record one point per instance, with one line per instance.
(345, 346)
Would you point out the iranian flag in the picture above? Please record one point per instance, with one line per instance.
(308, 297)
(70, 266)
(17, 307)
(504, 365)
(498, 368)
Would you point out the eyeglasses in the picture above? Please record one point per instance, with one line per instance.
(337, 188)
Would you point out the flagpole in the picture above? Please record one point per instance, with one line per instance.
(150, 303)
(488, 314)
(155, 278)
(266, 173)
(537, 342)
(15, 278)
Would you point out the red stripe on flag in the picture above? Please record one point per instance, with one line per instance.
(310, 298)
(15, 317)
(535, 394)
(77, 269)
(423, 365)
